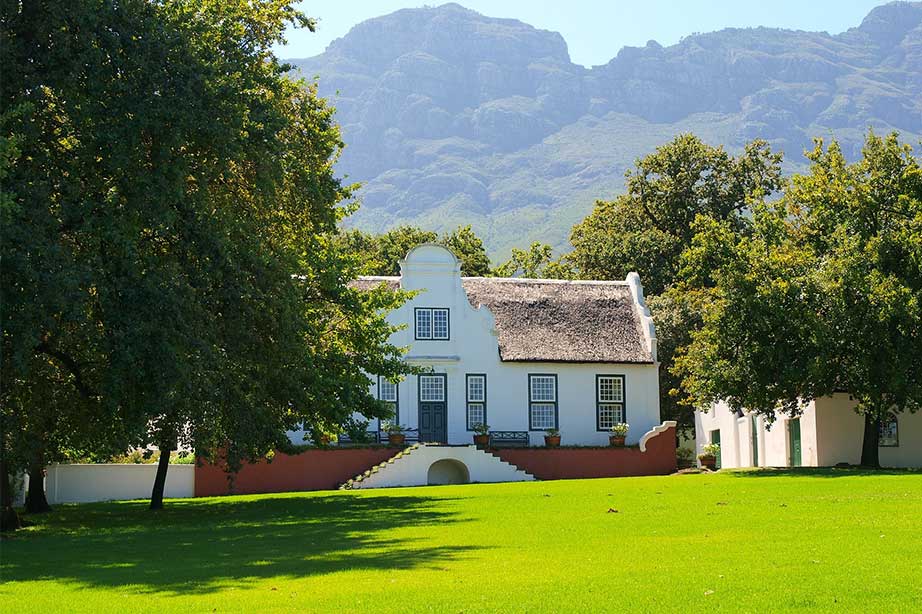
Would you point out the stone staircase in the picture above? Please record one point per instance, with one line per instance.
(430, 464)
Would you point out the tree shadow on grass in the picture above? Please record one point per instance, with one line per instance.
(202, 545)
(817, 472)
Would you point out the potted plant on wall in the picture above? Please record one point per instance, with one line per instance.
(552, 438)
(708, 456)
(618, 433)
(481, 434)
(395, 433)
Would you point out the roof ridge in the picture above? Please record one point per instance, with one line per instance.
(583, 282)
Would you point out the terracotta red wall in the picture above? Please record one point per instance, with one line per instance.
(570, 463)
(321, 469)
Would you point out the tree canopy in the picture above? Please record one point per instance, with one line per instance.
(824, 296)
(168, 219)
(381, 254)
(647, 228)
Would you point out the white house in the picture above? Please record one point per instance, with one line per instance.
(828, 432)
(523, 355)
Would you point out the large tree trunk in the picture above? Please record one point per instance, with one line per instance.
(156, 497)
(9, 519)
(36, 503)
(870, 453)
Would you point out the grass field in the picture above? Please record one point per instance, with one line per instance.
(828, 541)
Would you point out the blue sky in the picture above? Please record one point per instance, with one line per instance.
(596, 30)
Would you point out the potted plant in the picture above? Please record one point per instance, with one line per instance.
(481, 434)
(618, 433)
(395, 433)
(552, 438)
(708, 456)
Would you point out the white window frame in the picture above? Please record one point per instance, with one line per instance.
(393, 402)
(475, 404)
(542, 402)
(428, 314)
(613, 403)
(423, 389)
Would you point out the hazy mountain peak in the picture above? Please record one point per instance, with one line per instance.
(454, 117)
(889, 23)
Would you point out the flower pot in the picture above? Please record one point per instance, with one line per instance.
(482, 441)
(552, 441)
(708, 462)
(396, 439)
(616, 440)
(324, 440)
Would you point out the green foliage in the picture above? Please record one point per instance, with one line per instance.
(381, 254)
(824, 296)
(481, 428)
(676, 313)
(536, 263)
(469, 249)
(646, 229)
(169, 208)
(709, 450)
(620, 429)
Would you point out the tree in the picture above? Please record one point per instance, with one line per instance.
(381, 254)
(536, 262)
(825, 296)
(168, 241)
(469, 249)
(647, 228)
(676, 313)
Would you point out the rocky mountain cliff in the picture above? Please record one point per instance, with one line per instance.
(454, 117)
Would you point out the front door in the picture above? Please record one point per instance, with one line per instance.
(794, 436)
(755, 441)
(433, 408)
(715, 438)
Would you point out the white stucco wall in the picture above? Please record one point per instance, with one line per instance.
(106, 482)
(841, 432)
(472, 349)
(412, 469)
(831, 433)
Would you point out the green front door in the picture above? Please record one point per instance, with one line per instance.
(755, 441)
(794, 438)
(715, 438)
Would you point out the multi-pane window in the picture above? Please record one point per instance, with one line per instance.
(889, 433)
(387, 392)
(609, 401)
(542, 402)
(432, 323)
(476, 400)
(431, 388)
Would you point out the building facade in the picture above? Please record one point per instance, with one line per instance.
(520, 355)
(829, 432)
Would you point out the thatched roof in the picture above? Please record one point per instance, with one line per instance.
(562, 321)
(556, 321)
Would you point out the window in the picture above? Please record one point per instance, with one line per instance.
(387, 392)
(542, 402)
(476, 400)
(889, 433)
(431, 388)
(431, 323)
(609, 401)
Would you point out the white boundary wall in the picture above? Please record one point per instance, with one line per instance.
(107, 482)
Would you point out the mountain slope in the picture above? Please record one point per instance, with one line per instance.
(453, 117)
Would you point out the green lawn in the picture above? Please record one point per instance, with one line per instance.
(825, 541)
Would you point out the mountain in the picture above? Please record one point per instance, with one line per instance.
(453, 117)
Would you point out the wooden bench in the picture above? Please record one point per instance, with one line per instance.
(509, 439)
